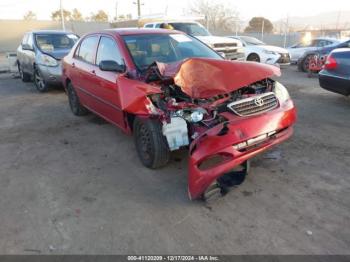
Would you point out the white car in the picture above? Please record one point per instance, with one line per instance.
(299, 49)
(231, 49)
(258, 51)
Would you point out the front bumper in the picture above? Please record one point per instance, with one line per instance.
(238, 129)
(282, 59)
(51, 74)
(232, 54)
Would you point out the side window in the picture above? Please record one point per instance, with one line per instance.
(322, 43)
(157, 25)
(149, 26)
(108, 50)
(345, 44)
(87, 49)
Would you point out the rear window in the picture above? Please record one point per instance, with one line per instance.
(53, 42)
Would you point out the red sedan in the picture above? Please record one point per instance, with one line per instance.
(170, 91)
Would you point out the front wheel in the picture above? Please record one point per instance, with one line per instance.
(74, 103)
(151, 144)
(39, 82)
(253, 58)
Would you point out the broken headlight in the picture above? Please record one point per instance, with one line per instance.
(192, 115)
(281, 92)
(47, 60)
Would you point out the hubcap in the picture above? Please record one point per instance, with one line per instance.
(39, 81)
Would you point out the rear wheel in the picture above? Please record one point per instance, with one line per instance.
(76, 107)
(254, 58)
(151, 144)
(303, 66)
(39, 82)
(24, 76)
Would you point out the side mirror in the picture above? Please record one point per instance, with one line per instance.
(110, 65)
(27, 47)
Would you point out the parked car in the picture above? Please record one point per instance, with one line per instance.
(231, 49)
(335, 75)
(170, 91)
(303, 62)
(298, 50)
(39, 57)
(258, 51)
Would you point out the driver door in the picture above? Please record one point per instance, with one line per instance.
(106, 94)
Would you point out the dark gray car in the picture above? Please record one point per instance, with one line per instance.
(39, 56)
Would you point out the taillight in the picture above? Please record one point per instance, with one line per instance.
(331, 63)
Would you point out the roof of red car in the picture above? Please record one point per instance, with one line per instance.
(141, 31)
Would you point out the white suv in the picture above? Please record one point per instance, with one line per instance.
(231, 49)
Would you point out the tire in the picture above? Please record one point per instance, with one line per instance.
(212, 193)
(151, 145)
(303, 65)
(76, 107)
(254, 58)
(39, 82)
(24, 76)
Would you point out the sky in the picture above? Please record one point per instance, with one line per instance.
(272, 9)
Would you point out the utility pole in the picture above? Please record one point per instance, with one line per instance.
(116, 10)
(286, 31)
(139, 8)
(262, 29)
(62, 16)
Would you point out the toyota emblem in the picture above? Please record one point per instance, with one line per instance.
(259, 101)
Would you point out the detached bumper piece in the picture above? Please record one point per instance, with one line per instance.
(216, 154)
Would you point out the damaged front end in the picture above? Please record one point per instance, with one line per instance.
(225, 112)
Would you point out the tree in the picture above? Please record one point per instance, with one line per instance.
(100, 16)
(76, 15)
(56, 15)
(29, 16)
(256, 25)
(219, 17)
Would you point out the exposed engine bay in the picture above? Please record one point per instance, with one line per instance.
(187, 117)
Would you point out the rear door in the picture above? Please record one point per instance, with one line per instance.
(27, 56)
(20, 51)
(106, 92)
(84, 78)
(30, 55)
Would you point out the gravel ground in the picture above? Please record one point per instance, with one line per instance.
(73, 185)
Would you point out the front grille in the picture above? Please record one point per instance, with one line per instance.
(220, 45)
(254, 105)
(284, 59)
(227, 52)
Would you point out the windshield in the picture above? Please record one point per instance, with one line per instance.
(53, 42)
(252, 40)
(190, 28)
(148, 48)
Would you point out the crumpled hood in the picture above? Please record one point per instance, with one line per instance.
(57, 54)
(205, 78)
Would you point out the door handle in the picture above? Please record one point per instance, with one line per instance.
(93, 72)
